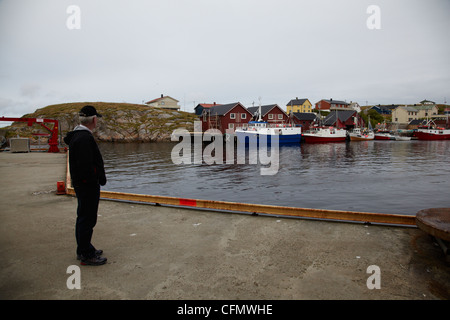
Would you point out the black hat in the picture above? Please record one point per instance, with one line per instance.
(88, 111)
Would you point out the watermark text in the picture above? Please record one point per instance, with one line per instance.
(73, 21)
(190, 149)
(373, 22)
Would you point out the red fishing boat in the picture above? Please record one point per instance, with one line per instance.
(431, 131)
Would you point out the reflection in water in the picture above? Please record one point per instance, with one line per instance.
(400, 177)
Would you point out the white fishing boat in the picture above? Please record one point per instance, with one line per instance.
(321, 134)
(362, 134)
(261, 131)
(359, 134)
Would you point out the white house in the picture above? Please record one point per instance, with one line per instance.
(164, 102)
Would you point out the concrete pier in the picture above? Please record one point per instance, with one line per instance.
(157, 252)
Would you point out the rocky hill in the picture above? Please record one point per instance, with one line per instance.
(121, 122)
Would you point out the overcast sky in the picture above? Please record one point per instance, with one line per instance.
(204, 51)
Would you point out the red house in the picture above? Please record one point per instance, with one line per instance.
(331, 104)
(346, 119)
(304, 119)
(225, 116)
(272, 114)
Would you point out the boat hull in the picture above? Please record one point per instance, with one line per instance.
(360, 135)
(433, 135)
(384, 137)
(321, 139)
(247, 137)
(360, 138)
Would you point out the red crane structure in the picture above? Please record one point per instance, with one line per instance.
(53, 139)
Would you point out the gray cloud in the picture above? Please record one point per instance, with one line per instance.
(223, 51)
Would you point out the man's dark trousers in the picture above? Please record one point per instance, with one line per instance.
(88, 198)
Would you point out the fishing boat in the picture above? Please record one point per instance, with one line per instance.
(359, 134)
(261, 131)
(321, 134)
(384, 135)
(430, 131)
(362, 134)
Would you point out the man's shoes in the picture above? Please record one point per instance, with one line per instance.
(97, 253)
(94, 261)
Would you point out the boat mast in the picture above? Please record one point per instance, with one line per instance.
(259, 110)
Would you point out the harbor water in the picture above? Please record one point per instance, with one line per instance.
(396, 177)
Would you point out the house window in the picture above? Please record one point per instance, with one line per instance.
(231, 126)
(243, 116)
(280, 117)
(270, 116)
(232, 115)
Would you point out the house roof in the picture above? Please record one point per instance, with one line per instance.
(160, 98)
(221, 110)
(207, 105)
(296, 102)
(387, 106)
(383, 109)
(343, 116)
(417, 122)
(201, 106)
(265, 109)
(334, 101)
(305, 116)
(425, 107)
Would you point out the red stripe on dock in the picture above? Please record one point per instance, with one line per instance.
(188, 202)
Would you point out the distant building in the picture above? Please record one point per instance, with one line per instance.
(332, 105)
(270, 113)
(298, 105)
(384, 109)
(427, 102)
(164, 102)
(225, 116)
(405, 114)
(355, 106)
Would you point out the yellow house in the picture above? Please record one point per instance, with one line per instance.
(299, 105)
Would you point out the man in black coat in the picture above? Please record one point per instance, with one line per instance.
(88, 174)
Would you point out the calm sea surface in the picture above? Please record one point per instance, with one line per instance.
(399, 177)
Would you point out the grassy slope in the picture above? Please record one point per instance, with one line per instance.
(118, 117)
